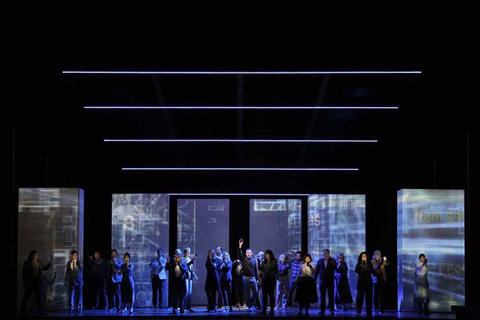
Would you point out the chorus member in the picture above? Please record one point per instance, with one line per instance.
(364, 268)
(325, 276)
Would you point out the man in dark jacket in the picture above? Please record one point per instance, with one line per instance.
(325, 276)
(113, 287)
(74, 282)
(178, 272)
(250, 276)
(97, 280)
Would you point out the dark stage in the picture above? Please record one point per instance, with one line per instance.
(237, 314)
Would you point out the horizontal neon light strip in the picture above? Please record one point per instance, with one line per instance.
(240, 141)
(242, 194)
(247, 107)
(240, 72)
(238, 169)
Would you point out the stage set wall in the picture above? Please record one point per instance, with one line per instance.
(50, 220)
(431, 222)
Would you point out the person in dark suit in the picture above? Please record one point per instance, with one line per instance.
(178, 270)
(226, 281)
(113, 285)
(325, 276)
(97, 280)
(32, 277)
(74, 282)
(364, 268)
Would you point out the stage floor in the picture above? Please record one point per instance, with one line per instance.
(236, 313)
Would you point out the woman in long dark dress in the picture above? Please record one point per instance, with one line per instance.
(306, 287)
(127, 286)
(211, 282)
(422, 290)
(343, 296)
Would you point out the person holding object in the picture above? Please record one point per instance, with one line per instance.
(226, 281)
(74, 282)
(364, 268)
(250, 275)
(379, 278)
(282, 282)
(269, 268)
(127, 286)
(32, 277)
(211, 282)
(158, 275)
(113, 281)
(306, 287)
(178, 270)
(422, 290)
(190, 276)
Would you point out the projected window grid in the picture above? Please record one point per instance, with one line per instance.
(431, 222)
(202, 224)
(50, 220)
(275, 224)
(337, 222)
(140, 226)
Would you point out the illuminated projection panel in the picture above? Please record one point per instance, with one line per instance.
(140, 224)
(431, 222)
(282, 218)
(50, 220)
(337, 222)
(203, 224)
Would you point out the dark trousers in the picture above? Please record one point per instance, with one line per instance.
(211, 295)
(226, 288)
(268, 288)
(75, 293)
(291, 291)
(364, 290)
(379, 295)
(324, 287)
(98, 290)
(250, 284)
(239, 291)
(114, 296)
(178, 293)
(157, 291)
(35, 289)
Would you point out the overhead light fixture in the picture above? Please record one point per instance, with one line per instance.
(247, 107)
(239, 72)
(238, 141)
(234, 169)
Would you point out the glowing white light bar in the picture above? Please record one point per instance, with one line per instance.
(239, 141)
(246, 107)
(238, 72)
(237, 169)
(243, 194)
